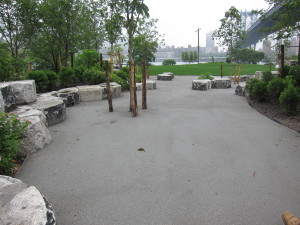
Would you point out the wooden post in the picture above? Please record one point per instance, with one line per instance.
(101, 60)
(111, 63)
(144, 94)
(59, 62)
(120, 59)
(221, 70)
(299, 50)
(282, 61)
(238, 79)
(133, 99)
(29, 67)
(72, 60)
(109, 96)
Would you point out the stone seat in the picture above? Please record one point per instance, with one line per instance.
(70, 96)
(115, 89)
(164, 77)
(150, 85)
(90, 93)
(240, 89)
(221, 83)
(21, 204)
(201, 84)
(53, 108)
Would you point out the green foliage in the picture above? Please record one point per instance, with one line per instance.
(169, 62)
(289, 99)
(124, 83)
(138, 79)
(123, 73)
(267, 76)
(6, 63)
(206, 76)
(259, 91)
(250, 85)
(87, 59)
(41, 80)
(67, 77)
(230, 32)
(295, 73)
(144, 49)
(53, 80)
(11, 133)
(275, 87)
(93, 77)
(190, 57)
(247, 55)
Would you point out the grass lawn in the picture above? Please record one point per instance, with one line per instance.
(205, 68)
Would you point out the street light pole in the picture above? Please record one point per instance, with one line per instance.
(198, 46)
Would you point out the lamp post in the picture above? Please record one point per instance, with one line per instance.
(198, 46)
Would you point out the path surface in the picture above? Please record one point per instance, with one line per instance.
(209, 159)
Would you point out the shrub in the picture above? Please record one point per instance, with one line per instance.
(267, 76)
(93, 77)
(79, 74)
(286, 70)
(125, 69)
(11, 133)
(295, 73)
(124, 83)
(67, 77)
(275, 87)
(41, 80)
(169, 62)
(88, 58)
(289, 80)
(123, 74)
(289, 99)
(138, 78)
(249, 85)
(259, 91)
(53, 80)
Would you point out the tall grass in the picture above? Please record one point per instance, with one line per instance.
(209, 68)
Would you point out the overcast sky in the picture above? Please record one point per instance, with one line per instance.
(179, 20)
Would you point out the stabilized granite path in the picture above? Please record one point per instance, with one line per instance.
(208, 158)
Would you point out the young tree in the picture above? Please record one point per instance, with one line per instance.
(230, 33)
(248, 56)
(18, 24)
(133, 11)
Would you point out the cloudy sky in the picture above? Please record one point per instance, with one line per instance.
(179, 20)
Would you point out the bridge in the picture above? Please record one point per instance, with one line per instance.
(257, 31)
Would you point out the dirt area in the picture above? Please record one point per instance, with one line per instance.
(276, 112)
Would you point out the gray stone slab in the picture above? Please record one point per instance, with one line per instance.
(20, 204)
(2, 104)
(115, 89)
(70, 96)
(221, 83)
(8, 96)
(24, 90)
(90, 93)
(201, 84)
(165, 77)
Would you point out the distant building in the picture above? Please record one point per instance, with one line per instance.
(210, 43)
(266, 48)
(293, 50)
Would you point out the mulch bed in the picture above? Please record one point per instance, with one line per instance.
(275, 112)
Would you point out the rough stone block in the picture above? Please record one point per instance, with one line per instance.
(20, 204)
(221, 83)
(53, 107)
(150, 85)
(2, 104)
(169, 73)
(164, 77)
(258, 75)
(24, 90)
(115, 89)
(90, 93)
(70, 96)
(37, 135)
(201, 84)
(8, 96)
(276, 73)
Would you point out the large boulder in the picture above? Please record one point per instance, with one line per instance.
(70, 96)
(2, 104)
(24, 90)
(20, 204)
(221, 83)
(37, 135)
(90, 93)
(53, 108)
(8, 97)
(259, 75)
(165, 76)
(201, 84)
(115, 89)
(150, 85)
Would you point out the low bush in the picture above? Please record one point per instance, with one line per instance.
(289, 99)
(11, 133)
(295, 73)
(250, 84)
(67, 77)
(275, 87)
(93, 77)
(259, 91)
(206, 76)
(53, 80)
(138, 78)
(41, 80)
(267, 76)
(168, 62)
(124, 83)
(124, 74)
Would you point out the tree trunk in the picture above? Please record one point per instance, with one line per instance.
(66, 54)
(144, 94)
(299, 50)
(120, 60)
(101, 60)
(59, 62)
(109, 96)
(282, 61)
(133, 99)
(72, 60)
(111, 58)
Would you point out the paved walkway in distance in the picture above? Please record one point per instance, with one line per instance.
(209, 159)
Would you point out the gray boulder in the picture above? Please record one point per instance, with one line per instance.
(70, 96)
(2, 104)
(221, 83)
(24, 90)
(8, 97)
(53, 108)
(115, 89)
(90, 93)
(20, 204)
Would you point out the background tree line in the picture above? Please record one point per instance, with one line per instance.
(190, 57)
